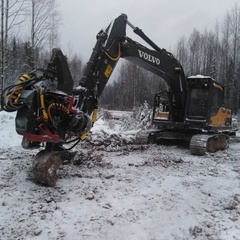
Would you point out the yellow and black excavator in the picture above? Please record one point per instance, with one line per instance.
(50, 111)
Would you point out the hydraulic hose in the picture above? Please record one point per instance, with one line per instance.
(42, 104)
(117, 57)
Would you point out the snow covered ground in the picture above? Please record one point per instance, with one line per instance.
(115, 190)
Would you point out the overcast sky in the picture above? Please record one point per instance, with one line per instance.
(164, 21)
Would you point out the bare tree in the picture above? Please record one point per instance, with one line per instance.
(234, 86)
(44, 22)
(195, 52)
(182, 54)
(11, 19)
(76, 67)
(55, 21)
(2, 44)
(132, 88)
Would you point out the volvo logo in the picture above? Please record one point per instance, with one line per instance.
(148, 57)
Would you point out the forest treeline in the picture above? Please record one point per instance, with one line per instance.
(29, 31)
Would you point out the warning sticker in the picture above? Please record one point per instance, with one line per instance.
(108, 71)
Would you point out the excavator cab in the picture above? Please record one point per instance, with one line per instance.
(204, 104)
(161, 106)
(203, 109)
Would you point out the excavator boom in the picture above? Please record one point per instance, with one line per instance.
(113, 44)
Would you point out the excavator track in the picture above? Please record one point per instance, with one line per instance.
(202, 143)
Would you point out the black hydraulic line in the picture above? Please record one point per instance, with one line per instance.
(141, 34)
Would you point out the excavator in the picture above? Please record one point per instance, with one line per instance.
(55, 116)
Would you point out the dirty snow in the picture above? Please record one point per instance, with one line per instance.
(115, 190)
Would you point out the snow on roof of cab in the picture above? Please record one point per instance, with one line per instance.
(199, 76)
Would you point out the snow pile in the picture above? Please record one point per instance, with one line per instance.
(9, 138)
(120, 192)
